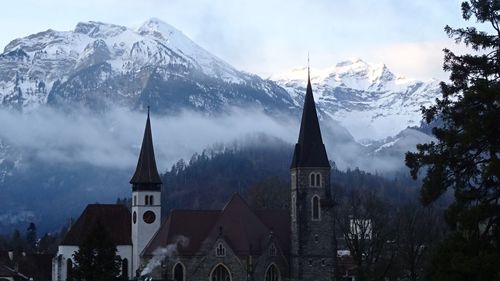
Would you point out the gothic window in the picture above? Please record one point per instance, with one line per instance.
(316, 210)
(220, 273)
(179, 272)
(69, 269)
(146, 199)
(294, 208)
(151, 202)
(315, 179)
(125, 269)
(273, 251)
(272, 273)
(135, 200)
(220, 251)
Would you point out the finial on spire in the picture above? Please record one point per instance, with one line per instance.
(148, 110)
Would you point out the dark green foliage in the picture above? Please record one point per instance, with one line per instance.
(466, 155)
(96, 258)
(270, 193)
(18, 244)
(31, 245)
(210, 178)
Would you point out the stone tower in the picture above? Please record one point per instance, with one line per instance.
(146, 195)
(312, 248)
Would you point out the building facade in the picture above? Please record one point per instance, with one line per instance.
(232, 244)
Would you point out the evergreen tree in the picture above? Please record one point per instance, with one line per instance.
(465, 156)
(31, 238)
(96, 258)
(17, 242)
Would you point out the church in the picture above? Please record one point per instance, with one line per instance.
(232, 244)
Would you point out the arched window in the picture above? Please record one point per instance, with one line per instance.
(125, 269)
(151, 202)
(315, 179)
(294, 208)
(179, 272)
(272, 273)
(316, 210)
(146, 200)
(220, 251)
(220, 273)
(69, 269)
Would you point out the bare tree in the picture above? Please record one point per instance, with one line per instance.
(419, 227)
(369, 232)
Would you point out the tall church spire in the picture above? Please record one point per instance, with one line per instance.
(146, 175)
(309, 150)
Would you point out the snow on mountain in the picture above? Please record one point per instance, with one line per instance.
(366, 98)
(97, 61)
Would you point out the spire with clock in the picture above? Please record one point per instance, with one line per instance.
(146, 195)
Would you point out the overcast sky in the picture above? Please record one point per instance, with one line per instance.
(270, 36)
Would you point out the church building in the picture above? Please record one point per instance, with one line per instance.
(232, 244)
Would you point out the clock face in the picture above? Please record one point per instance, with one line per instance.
(149, 217)
(134, 217)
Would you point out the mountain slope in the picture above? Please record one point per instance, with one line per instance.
(99, 63)
(368, 99)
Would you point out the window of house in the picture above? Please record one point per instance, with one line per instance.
(179, 272)
(220, 273)
(273, 251)
(151, 202)
(69, 269)
(316, 211)
(323, 262)
(272, 273)
(146, 200)
(220, 251)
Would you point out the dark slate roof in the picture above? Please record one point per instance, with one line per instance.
(245, 230)
(146, 171)
(114, 217)
(310, 150)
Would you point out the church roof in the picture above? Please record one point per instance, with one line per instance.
(146, 171)
(114, 217)
(310, 150)
(243, 229)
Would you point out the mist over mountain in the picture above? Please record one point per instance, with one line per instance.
(72, 112)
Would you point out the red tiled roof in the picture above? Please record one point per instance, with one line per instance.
(243, 229)
(279, 222)
(192, 224)
(114, 217)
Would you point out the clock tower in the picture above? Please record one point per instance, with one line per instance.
(146, 196)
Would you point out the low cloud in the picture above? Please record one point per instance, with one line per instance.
(113, 139)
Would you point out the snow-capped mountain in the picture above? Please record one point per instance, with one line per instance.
(154, 64)
(368, 99)
(98, 66)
